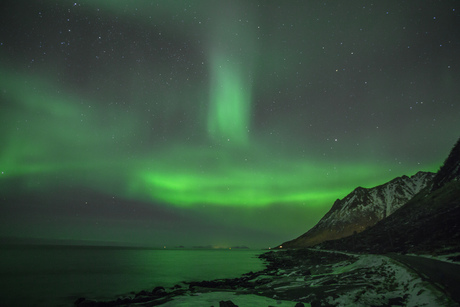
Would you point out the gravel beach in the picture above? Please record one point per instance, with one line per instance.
(302, 277)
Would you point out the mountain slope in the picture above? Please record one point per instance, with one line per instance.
(430, 222)
(363, 208)
(450, 170)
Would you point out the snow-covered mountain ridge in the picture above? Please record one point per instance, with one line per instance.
(382, 200)
(363, 208)
(429, 223)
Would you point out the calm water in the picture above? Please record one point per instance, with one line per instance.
(57, 276)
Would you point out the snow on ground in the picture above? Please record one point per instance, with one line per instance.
(369, 280)
(213, 299)
(360, 280)
(386, 283)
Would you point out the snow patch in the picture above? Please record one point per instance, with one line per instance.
(213, 299)
(389, 284)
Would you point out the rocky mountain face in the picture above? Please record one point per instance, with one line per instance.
(363, 208)
(450, 170)
(428, 223)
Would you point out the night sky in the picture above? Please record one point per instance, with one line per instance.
(216, 123)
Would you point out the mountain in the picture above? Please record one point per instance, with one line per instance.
(363, 208)
(450, 170)
(428, 223)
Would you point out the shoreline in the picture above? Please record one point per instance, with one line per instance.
(302, 277)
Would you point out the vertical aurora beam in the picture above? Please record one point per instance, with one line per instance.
(231, 51)
(230, 102)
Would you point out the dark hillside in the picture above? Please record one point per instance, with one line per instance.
(450, 170)
(428, 223)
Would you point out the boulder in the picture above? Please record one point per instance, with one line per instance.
(142, 293)
(159, 291)
(83, 302)
(227, 304)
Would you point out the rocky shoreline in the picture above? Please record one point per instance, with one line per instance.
(302, 277)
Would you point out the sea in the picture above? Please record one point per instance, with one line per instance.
(59, 275)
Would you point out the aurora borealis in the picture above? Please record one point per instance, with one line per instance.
(215, 122)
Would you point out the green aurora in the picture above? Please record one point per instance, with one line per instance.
(217, 114)
(67, 140)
